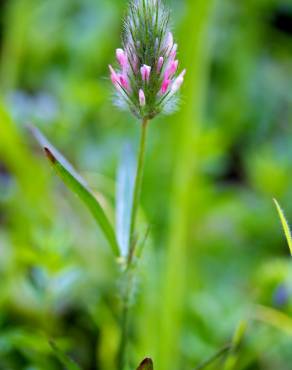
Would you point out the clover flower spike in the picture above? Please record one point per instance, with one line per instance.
(146, 80)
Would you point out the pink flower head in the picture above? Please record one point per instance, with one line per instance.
(178, 82)
(146, 79)
(122, 58)
(142, 99)
(145, 72)
(160, 64)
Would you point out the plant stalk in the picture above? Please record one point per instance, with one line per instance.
(122, 355)
(132, 244)
(137, 192)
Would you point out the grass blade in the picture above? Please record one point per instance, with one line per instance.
(214, 358)
(74, 182)
(124, 198)
(285, 225)
(237, 339)
(146, 364)
(63, 358)
(274, 318)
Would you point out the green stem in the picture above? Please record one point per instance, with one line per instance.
(131, 253)
(124, 322)
(137, 192)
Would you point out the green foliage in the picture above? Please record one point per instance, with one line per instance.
(79, 187)
(214, 253)
(66, 361)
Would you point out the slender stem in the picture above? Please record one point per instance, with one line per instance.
(124, 322)
(132, 244)
(137, 192)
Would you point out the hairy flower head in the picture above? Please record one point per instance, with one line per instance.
(146, 80)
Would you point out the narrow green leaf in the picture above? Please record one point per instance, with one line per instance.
(214, 358)
(232, 358)
(146, 364)
(284, 225)
(63, 358)
(124, 198)
(75, 182)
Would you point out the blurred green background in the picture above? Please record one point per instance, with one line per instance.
(216, 254)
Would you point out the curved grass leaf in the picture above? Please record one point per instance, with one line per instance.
(285, 225)
(124, 198)
(274, 318)
(146, 364)
(74, 182)
(63, 358)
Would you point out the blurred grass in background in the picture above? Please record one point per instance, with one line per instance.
(216, 254)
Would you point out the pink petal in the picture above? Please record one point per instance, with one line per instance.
(142, 98)
(160, 64)
(114, 76)
(122, 58)
(145, 72)
(171, 69)
(124, 82)
(165, 86)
